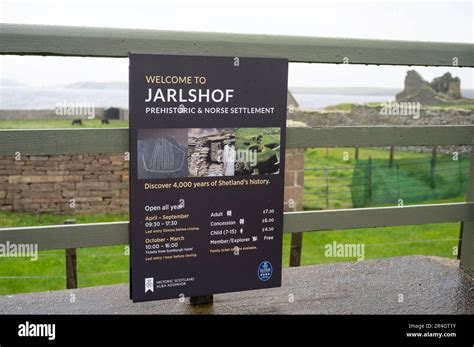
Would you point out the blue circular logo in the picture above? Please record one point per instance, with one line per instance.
(265, 271)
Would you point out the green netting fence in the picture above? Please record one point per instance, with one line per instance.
(378, 182)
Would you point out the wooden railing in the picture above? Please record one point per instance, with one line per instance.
(70, 41)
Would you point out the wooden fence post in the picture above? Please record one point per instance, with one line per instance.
(71, 263)
(356, 154)
(467, 231)
(392, 154)
(398, 183)
(295, 249)
(297, 238)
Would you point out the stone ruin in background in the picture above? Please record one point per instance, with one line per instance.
(442, 90)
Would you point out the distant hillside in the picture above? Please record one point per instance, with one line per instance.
(468, 93)
(345, 90)
(98, 85)
(10, 83)
(123, 85)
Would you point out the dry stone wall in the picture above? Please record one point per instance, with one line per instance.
(362, 115)
(64, 184)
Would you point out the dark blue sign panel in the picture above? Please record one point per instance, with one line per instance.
(207, 139)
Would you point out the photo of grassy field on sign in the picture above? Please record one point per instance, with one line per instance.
(260, 144)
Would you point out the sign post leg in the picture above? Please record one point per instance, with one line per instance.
(201, 300)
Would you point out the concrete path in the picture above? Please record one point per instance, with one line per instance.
(429, 285)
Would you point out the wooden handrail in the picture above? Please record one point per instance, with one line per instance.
(112, 42)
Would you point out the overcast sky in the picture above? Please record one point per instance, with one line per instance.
(450, 21)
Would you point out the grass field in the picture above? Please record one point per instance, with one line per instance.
(96, 266)
(59, 124)
(109, 265)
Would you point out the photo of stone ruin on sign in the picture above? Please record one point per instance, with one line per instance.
(162, 153)
(233, 151)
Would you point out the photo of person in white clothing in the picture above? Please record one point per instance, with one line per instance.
(228, 158)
